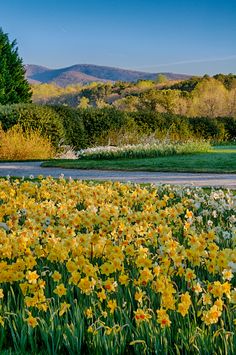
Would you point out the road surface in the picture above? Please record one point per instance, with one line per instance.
(27, 169)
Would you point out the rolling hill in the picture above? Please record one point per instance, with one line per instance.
(86, 73)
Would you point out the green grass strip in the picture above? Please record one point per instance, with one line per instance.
(218, 160)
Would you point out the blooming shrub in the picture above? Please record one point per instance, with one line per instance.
(116, 268)
(16, 144)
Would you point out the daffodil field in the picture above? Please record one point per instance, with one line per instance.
(114, 268)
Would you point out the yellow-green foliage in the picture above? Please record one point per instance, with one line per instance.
(196, 97)
(43, 91)
(15, 144)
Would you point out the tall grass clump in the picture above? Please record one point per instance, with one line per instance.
(145, 150)
(17, 144)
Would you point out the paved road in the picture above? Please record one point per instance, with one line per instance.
(33, 168)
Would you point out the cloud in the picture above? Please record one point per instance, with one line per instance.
(192, 61)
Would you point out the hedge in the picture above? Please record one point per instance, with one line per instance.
(31, 116)
(75, 133)
(81, 128)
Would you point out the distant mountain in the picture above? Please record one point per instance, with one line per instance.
(86, 73)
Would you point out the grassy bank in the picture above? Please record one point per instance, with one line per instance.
(218, 160)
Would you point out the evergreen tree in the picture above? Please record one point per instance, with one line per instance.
(14, 88)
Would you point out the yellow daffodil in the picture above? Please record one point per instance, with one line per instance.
(141, 316)
(63, 309)
(32, 321)
(60, 290)
(32, 277)
(56, 276)
(163, 318)
(112, 305)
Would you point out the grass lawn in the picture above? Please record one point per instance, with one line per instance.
(222, 159)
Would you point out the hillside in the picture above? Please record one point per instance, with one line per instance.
(87, 73)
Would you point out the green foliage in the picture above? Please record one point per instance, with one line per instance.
(14, 88)
(8, 116)
(75, 134)
(207, 128)
(187, 85)
(95, 126)
(229, 125)
(221, 159)
(98, 92)
(197, 97)
(165, 123)
(42, 118)
(100, 121)
(81, 128)
(229, 80)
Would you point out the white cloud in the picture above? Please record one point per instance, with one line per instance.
(192, 61)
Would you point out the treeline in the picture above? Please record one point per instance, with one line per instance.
(198, 96)
(82, 128)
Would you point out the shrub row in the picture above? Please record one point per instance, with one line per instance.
(82, 128)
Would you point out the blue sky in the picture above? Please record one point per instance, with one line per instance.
(182, 36)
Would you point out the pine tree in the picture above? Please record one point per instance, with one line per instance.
(14, 88)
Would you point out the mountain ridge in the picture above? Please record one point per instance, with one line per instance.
(87, 73)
